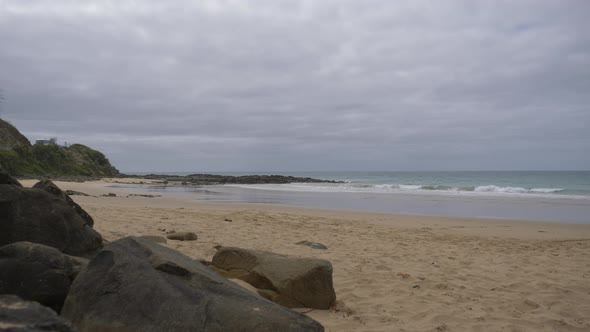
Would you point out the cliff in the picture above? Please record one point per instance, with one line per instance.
(19, 157)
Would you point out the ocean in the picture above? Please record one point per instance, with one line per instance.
(539, 183)
(562, 196)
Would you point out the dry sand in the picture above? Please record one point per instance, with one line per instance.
(391, 272)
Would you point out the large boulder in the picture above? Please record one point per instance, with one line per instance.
(51, 188)
(6, 178)
(37, 272)
(290, 281)
(134, 284)
(154, 238)
(18, 315)
(37, 216)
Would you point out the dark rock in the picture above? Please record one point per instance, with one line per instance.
(312, 245)
(142, 195)
(109, 195)
(6, 178)
(208, 179)
(51, 188)
(137, 285)
(37, 216)
(154, 238)
(75, 193)
(290, 281)
(182, 236)
(38, 273)
(18, 315)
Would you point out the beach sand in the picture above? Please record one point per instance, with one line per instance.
(391, 272)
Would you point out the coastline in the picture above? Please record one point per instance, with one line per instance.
(391, 272)
(505, 206)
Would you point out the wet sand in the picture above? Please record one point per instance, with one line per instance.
(391, 272)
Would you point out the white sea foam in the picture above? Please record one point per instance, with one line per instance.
(546, 190)
(485, 190)
(492, 188)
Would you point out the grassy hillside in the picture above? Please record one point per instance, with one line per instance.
(19, 157)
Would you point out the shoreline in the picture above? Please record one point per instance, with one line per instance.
(165, 199)
(482, 206)
(391, 272)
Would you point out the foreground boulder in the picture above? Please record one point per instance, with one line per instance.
(37, 272)
(51, 188)
(290, 281)
(154, 238)
(37, 216)
(134, 284)
(18, 315)
(6, 178)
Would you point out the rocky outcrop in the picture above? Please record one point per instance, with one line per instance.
(51, 188)
(38, 273)
(19, 157)
(37, 216)
(10, 137)
(182, 236)
(290, 281)
(18, 315)
(137, 285)
(6, 178)
(206, 179)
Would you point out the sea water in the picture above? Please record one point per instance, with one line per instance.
(538, 183)
(562, 196)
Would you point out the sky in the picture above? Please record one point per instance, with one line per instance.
(218, 85)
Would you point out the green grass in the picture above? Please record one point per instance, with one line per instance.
(19, 157)
(77, 159)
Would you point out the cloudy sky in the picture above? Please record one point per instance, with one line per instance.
(303, 85)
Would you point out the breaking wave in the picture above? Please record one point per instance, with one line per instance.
(409, 188)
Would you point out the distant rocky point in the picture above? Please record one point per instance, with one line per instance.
(205, 179)
(79, 163)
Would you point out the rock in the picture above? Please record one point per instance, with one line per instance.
(312, 245)
(37, 216)
(18, 315)
(154, 238)
(137, 285)
(290, 281)
(142, 195)
(75, 193)
(51, 188)
(182, 236)
(109, 195)
(6, 178)
(38, 273)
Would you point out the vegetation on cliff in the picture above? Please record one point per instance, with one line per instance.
(19, 157)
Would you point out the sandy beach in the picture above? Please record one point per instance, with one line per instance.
(391, 272)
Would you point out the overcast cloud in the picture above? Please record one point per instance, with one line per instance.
(303, 85)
